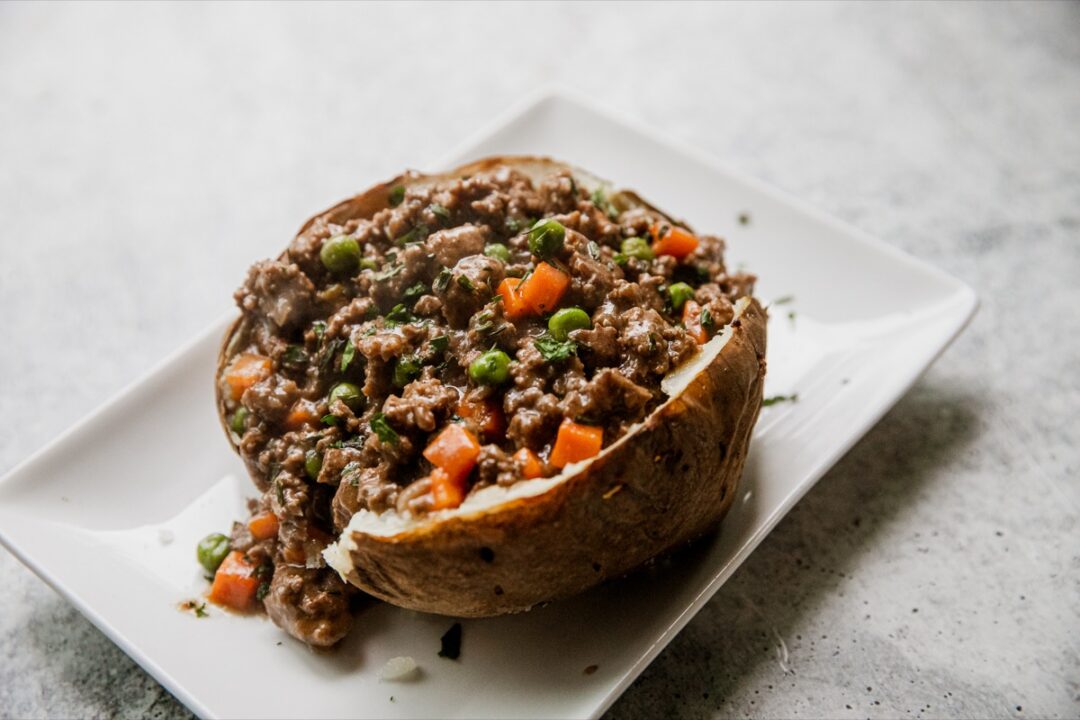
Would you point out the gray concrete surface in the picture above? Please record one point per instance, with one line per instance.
(148, 153)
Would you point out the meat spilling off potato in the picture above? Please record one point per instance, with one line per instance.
(473, 392)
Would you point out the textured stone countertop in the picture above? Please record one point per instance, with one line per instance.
(148, 153)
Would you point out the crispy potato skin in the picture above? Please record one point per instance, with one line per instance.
(677, 477)
(674, 480)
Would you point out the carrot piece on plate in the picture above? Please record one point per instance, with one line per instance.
(575, 442)
(246, 370)
(301, 415)
(513, 306)
(446, 492)
(543, 289)
(530, 465)
(235, 583)
(672, 240)
(691, 320)
(263, 526)
(486, 416)
(454, 450)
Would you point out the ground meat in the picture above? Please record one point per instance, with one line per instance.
(271, 398)
(422, 407)
(311, 605)
(277, 291)
(358, 372)
(449, 246)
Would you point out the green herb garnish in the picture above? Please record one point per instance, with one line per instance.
(347, 355)
(779, 399)
(382, 428)
(706, 318)
(388, 272)
(466, 283)
(398, 314)
(554, 351)
(784, 300)
(440, 343)
(397, 195)
(319, 328)
(440, 212)
(417, 234)
(442, 280)
(330, 419)
(412, 294)
(406, 370)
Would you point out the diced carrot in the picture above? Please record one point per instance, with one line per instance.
(263, 526)
(672, 240)
(446, 492)
(691, 320)
(513, 306)
(302, 415)
(246, 370)
(542, 290)
(235, 583)
(575, 443)
(486, 417)
(528, 462)
(454, 450)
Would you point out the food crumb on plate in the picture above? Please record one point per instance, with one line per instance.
(198, 609)
(451, 643)
(398, 669)
(591, 669)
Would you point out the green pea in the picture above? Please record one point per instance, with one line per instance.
(498, 251)
(312, 464)
(491, 368)
(546, 238)
(406, 370)
(238, 421)
(347, 393)
(340, 254)
(637, 247)
(212, 550)
(564, 322)
(679, 293)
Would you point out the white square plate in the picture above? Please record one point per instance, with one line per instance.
(117, 538)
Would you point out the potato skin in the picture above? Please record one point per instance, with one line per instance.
(677, 476)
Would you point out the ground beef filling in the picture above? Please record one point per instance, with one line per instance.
(448, 343)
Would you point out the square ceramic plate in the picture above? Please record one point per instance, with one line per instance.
(868, 321)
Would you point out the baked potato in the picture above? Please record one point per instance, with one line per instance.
(474, 392)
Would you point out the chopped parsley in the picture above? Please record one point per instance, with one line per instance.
(262, 591)
(382, 428)
(347, 355)
(412, 294)
(466, 283)
(398, 314)
(784, 300)
(294, 357)
(417, 234)
(707, 321)
(397, 195)
(389, 271)
(442, 281)
(553, 350)
(779, 399)
(319, 328)
(329, 419)
(440, 212)
(440, 343)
